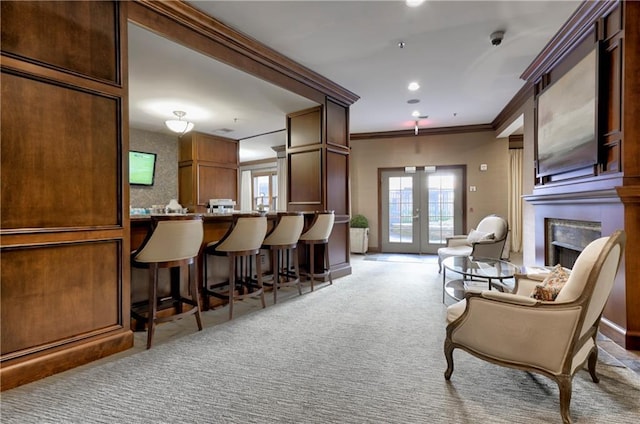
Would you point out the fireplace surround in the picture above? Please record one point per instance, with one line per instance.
(566, 238)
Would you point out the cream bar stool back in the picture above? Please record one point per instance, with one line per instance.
(241, 245)
(282, 242)
(318, 234)
(172, 242)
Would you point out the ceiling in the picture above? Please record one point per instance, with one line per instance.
(464, 79)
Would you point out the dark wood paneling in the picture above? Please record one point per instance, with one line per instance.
(337, 182)
(187, 187)
(57, 293)
(305, 178)
(305, 128)
(65, 276)
(61, 33)
(215, 182)
(338, 131)
(60, 153)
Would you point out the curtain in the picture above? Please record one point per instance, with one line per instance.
(245, 191)
(515, 198)
(281, 203)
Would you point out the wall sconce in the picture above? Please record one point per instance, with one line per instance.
(178, 125)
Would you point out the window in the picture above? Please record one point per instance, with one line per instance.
(264, 190)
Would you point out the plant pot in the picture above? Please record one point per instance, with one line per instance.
(359, 240)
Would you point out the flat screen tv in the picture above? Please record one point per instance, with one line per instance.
(142, 168)
(566, 133)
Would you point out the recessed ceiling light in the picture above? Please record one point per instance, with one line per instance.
(414, 3)
(415, 113)
(413, 101)
(413, 86)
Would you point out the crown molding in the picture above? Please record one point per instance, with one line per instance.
(422, 132)
(579, 25)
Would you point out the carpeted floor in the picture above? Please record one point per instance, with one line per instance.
(367, 349)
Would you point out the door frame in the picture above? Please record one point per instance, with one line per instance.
(461, 166)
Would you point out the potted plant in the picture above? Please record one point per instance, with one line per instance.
(359, 233)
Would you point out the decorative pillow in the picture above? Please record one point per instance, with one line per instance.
(476, 236)
(551, 285)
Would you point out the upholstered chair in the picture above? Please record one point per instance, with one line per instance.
(318, 234)
(241, 246)
(553, 338)
(486, 241)
(282, 242)
(173, 242)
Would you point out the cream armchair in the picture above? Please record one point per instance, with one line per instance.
(487, 241)
(552, 338)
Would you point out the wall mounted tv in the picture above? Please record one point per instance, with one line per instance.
(142, 168)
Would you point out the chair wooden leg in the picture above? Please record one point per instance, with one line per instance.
(593, 360)
(312, 267)
(259, 279)
(193, 288)
(205, 291)
(564, 384)
(448, 354)
(296, 269)
(232, 283)
(275, 268)
(326, 262)
(153, 302)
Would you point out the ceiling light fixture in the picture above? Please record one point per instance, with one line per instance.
(414, 3)
(415, 113)
(413, 86)
(178, 125)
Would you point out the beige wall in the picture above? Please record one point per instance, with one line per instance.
(471, 149)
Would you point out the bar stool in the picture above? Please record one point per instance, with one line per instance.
(282, 242)
(241, 245)
(172, 243)
(318, 233)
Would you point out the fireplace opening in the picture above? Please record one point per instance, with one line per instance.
(567, 238)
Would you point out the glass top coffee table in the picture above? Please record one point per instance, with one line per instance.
(477, 274)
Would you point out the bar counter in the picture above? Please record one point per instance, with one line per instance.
(215, 227)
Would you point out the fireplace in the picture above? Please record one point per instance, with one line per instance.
(566, 238)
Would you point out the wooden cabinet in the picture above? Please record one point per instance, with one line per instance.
(207, 169)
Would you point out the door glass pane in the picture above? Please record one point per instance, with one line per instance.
(441, 207)
(401, 209)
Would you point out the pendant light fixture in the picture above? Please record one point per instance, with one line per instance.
(178, 125)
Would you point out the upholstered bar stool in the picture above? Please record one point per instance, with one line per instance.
(241, 245)
(173, 242)
(318, 234)
(282, 242)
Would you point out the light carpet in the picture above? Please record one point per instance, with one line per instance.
(367, 349)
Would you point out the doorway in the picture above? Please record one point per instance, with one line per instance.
(421, 208)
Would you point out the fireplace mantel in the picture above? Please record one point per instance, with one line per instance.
(601, 205)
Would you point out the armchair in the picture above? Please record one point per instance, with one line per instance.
(552, 338)
(487, 241)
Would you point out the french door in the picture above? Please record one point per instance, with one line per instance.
(421, 209)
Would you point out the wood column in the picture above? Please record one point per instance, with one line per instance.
(318, 166)
(64, 200)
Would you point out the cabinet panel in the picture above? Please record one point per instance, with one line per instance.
(70, 35)
(186, 186)
(218, 150)
(337, 183)
(337, 131)
(305, 128)
(58, 293)
(216, 183)
(66, 164)
(305, 183)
